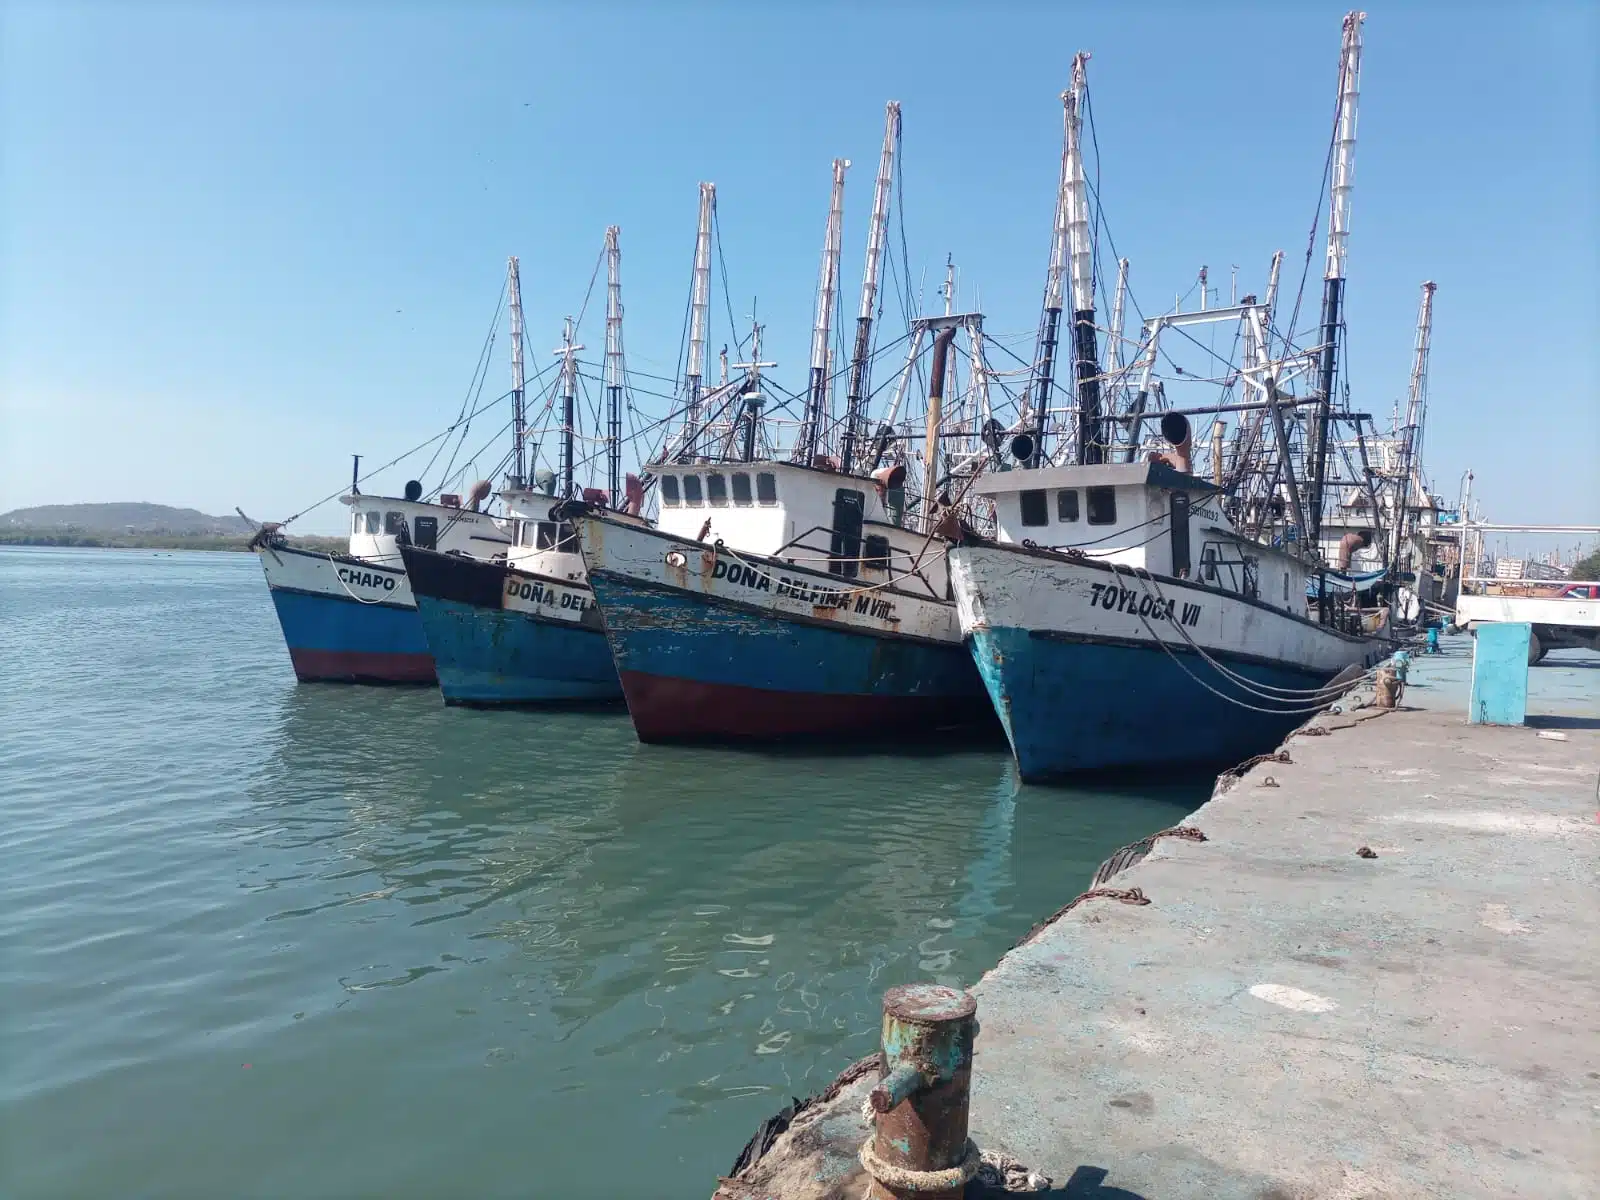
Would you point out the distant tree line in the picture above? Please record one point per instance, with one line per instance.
(23, 536)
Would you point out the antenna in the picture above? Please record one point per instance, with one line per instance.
(1344, 156)
(699, 306)
(869, 286)
(614, 365)
(519, 418)
(821, 332)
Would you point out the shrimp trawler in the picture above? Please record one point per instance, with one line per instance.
(1131, 613)
(351, 617)
(524, 628)
(798, 594)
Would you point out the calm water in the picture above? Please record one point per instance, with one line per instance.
(265, 939)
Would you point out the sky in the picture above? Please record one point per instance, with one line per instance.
(240, 242)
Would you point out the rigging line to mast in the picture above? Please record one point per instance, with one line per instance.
(727, 293)
(481, 367)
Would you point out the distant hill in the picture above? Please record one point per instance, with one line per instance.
(132, 518)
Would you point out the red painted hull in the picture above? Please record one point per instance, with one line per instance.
(358, 666)
(682, 710)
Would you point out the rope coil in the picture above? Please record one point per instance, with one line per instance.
(907, 1180)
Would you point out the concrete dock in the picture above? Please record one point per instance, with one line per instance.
(1288, 1018)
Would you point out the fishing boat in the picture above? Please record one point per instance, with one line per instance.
(1167, 638)
(352, 617)
(1132, 613)
(524, 628)
(774, 601)
(797, 593)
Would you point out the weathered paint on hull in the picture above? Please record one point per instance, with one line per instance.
(337, 639)
(503, 636)
(489, 656)
(696, 670)
(1071, 706)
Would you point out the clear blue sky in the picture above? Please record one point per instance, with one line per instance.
(241, 241)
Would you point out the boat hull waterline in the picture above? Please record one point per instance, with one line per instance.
(713, 646)
(346, 620)
(500, 636)
(1080, 684)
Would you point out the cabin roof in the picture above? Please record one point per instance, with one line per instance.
(1150, 474)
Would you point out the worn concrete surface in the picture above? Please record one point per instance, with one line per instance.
(1288, 1019)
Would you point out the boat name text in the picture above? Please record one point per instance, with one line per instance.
(813, 594)
(375, 579)
(536, 593)
(1142, 604)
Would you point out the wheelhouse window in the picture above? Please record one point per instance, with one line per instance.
(741, 489)
(566, 538)
(358, 523)
(544, 537)
(766, 488)
(1208, 564)
(1102, 505)
(691, 491)
(1035, 508)
(717, 490)
(1067, 505)
(875, 553)
(374, 523)
(394, 523)
(669, 491)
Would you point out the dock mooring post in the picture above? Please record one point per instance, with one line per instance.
(1500, 674)
(919, 1147)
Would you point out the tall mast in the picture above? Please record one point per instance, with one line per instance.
(569, 399)
(876, 231)
(822, 329)
(1119, 301)
(1044, 359)
(930, 452)
(699, 307)
(1344, 156)
(1416, 412)
(1086, 354)
(614, 369)
(519, 417)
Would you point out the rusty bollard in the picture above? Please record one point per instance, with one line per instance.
(919, 1147)
(1387, 688)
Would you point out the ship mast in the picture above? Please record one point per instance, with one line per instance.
(1086, 354)
(614, 368)
(876, 231)
(699, 307)
(519, 416)
(1044, 358)
(1416, 412)
(1344, 154)
(822, 330)
(569, 398)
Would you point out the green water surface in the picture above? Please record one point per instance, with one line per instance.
(261, 939)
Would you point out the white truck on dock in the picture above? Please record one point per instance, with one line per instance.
(1564, 613)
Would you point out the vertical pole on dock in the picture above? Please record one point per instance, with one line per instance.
(919, 1146)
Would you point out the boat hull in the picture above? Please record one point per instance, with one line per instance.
(345, 620)
(500, 636)
(763, 651)
(1080, 685)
